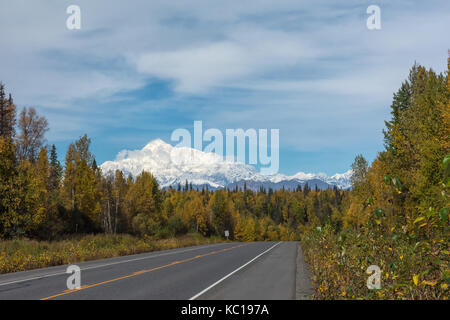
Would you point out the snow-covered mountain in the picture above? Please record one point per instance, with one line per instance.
(171, 166)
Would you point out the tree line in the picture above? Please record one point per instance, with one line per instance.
(397, 215)
(43, 199)
(408, 179)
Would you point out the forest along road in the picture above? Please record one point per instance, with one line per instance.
(252, 270)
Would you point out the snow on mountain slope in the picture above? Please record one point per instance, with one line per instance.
(171, 165)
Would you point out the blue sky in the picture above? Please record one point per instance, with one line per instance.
(137, 70)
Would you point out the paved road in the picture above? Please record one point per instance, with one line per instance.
(255, 270)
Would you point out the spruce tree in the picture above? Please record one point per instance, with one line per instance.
(55, 169)
(7, 114)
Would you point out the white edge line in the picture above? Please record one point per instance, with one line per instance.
(108, 264)
(230, 274)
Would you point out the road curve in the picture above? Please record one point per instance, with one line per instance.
(252, 270)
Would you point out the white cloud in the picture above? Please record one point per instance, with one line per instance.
(202, 45)
(248, 51)
(310, 68)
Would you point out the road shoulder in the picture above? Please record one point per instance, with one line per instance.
(303, 288)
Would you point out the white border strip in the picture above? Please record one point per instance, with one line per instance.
(230, 274)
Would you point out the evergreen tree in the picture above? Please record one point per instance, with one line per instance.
(55, 169)
(7, 114)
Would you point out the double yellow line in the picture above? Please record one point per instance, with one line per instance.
(141, 272)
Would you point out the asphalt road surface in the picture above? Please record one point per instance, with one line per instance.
(254, 270)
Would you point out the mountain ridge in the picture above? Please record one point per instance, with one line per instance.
(172, 166)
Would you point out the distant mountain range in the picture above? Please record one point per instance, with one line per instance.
(172, 166)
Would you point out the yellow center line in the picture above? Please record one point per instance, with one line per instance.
(140, 272)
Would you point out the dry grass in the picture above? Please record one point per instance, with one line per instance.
(19, 255)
